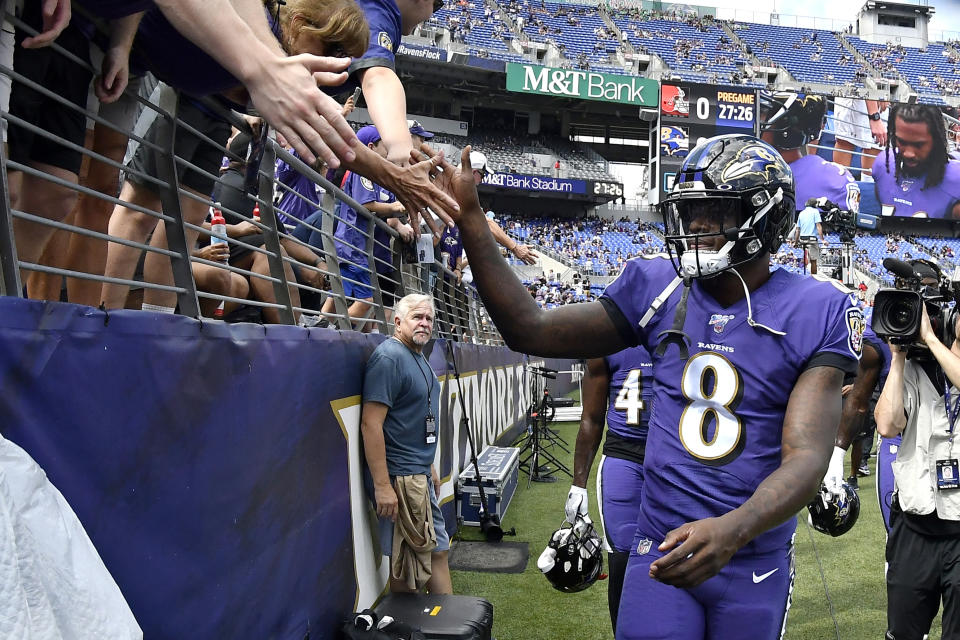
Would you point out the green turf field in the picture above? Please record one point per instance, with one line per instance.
(526, 607)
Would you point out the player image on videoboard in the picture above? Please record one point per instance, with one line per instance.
(790, 122)
(915, 175)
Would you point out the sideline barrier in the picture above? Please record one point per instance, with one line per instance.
(215, 466)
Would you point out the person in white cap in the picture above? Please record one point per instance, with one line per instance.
(481, 168)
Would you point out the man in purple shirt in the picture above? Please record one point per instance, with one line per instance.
(747, 370)
(915, 174)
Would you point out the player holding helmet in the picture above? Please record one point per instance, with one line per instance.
(616, 389)
(747, 371)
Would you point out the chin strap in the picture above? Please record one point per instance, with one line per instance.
(675, 334)
(750, 320)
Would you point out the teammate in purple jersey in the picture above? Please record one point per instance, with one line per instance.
(748, 366)
(874, 361)
(617, 389)
(790, 121)
(886, 450)
(915, 173)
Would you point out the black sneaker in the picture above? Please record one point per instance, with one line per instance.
(852, 481)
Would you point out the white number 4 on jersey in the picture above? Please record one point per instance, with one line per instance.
(629, 398)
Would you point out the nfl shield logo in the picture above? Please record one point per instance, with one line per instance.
(644, 547)
(718, 321)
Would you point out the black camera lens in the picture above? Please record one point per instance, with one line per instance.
(901, 315)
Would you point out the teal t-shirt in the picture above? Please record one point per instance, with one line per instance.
(401, 379)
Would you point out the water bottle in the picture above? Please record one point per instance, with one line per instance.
(218, 227)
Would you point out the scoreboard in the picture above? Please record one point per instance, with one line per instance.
(691, 112)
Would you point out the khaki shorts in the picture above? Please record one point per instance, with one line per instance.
(812, 247)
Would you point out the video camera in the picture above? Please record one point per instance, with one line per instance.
(845, 223)
(897, 312)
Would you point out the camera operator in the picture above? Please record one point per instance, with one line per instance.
(923, 548)
(809, 232)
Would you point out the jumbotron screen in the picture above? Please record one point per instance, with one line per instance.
(873, 157)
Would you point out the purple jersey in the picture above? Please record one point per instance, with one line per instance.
(302, 198)
(881, 346)
(715, 429)
(450, 247)
(385, 32)
(908, 195)
(631, 392)
(817, 178)
(350, 236)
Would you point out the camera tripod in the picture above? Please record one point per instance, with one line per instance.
(838, 262)
(846, 262)
(539, 435)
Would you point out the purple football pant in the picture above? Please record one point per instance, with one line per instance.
(619, 483)
(886, 454)
(747, 600)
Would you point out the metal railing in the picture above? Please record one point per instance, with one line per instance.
(282, 269)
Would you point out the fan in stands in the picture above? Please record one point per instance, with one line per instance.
(573, 559)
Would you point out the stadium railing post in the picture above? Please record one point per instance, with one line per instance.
(377, 311)
(333, 265)
(170, 199)
(268, 218)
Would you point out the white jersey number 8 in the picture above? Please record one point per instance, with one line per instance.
(714, 388)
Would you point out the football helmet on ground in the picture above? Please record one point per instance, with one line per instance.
(738, 188)
(573, 559)
(792, 119)
(834, 513)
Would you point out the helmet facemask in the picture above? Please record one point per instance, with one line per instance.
(699, 254)
(792, 120)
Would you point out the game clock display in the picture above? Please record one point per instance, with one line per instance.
(607, 189)
(690, 113)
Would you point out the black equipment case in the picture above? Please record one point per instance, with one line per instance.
(441, 617)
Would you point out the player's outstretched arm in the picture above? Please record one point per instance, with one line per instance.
(573, 331)
(698, 550)
(594, 389)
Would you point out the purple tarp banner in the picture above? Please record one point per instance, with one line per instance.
(211, 464)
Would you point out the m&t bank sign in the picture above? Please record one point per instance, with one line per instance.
(585, 85)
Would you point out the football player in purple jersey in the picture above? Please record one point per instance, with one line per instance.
(874, 362)
(617, 389)
(915, 173)
(747, 370)
(790, 121)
